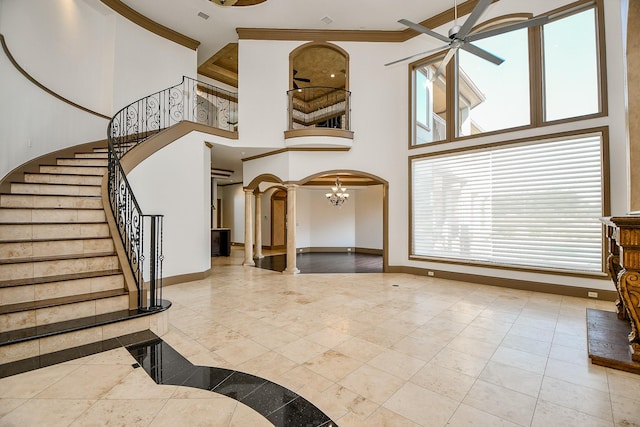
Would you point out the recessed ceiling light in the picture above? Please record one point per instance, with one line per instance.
(327, 20)
(203, 15)
(332, 75)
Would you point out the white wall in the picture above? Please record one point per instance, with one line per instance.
(379, 121)
(35, 123)
(155, 182)
(369, 217)
(233, 210)
(145, 63)
(68, 46)
(86, 53)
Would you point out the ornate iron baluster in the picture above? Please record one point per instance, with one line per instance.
(129, 127)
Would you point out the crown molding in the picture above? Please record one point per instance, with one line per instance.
(380, 36)
(148, 24)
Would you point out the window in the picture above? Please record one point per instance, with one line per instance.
(494, 97)
(564, 81)
(526, 204)
(571, 66)
(429, 105)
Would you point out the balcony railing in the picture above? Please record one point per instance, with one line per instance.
(141, 234)
(319, 107)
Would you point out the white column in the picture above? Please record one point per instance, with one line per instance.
(258, 245)
(248, 228)
(291, 230)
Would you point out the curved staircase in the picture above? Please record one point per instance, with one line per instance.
(61, 284)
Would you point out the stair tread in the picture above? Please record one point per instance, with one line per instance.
(55, 258)
(52, 208)
(49, 195)
(53, 302)
(55, 173)
(49, 223)
(26, 334)
(58, 278)
(55, 183)
(61, 239)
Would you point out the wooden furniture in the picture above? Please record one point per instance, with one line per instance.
(623, 261)
(220, 242)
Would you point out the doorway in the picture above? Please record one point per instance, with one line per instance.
(279, 220)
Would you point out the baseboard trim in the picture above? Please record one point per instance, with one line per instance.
(182, 278)
(339, 249)
(524, 285)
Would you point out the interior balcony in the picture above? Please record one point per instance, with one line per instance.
(319, 117)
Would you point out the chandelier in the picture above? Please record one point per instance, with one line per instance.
(338, 194)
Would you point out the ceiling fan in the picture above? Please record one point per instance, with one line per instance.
(298, 79)
(459, 37)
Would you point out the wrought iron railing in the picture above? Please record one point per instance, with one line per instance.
(141, 234)
(319, 106)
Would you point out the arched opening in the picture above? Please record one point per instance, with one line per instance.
(278, 219)
(319, 87)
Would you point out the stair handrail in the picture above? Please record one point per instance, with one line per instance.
(140, 233)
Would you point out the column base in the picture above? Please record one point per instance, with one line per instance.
(249, 264)
(292, 271)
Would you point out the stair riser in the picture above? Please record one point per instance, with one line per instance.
(62, 247)
(65, 288)
(82, 162)
(28, 270)
(61, 313)
(63, 179)
(156, 323)
(94, 155)
(40, 201)
(73, 170)
(51, 215)
(24, 232)
(57, 189)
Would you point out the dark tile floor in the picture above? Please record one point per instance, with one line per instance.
(325, 262)
(281, 406)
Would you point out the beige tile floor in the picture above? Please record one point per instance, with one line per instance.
(368, 349)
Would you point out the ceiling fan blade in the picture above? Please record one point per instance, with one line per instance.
(473, 18)
(422, 29)
(416, 55)
(295, 85)
(301, 79)
(482, 53)
(444, 62)
(512, 27)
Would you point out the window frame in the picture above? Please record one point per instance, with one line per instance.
(536, 76)
(606, 205)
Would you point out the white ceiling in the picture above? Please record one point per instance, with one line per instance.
(220, 28)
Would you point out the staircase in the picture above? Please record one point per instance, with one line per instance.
(61, 284)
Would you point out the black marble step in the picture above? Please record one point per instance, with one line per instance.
(36, 362)
(27, 334)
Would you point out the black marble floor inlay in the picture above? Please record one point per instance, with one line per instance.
(281, 406)
(325, 262)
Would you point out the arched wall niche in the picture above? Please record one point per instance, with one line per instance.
(314, 64)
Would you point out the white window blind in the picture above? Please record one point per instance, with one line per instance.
(527, 204)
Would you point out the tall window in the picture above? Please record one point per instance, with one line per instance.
(429, 105)
(494, 97)
(571, 66)
(532, 204)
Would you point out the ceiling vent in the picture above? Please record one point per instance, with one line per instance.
(203, 15)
